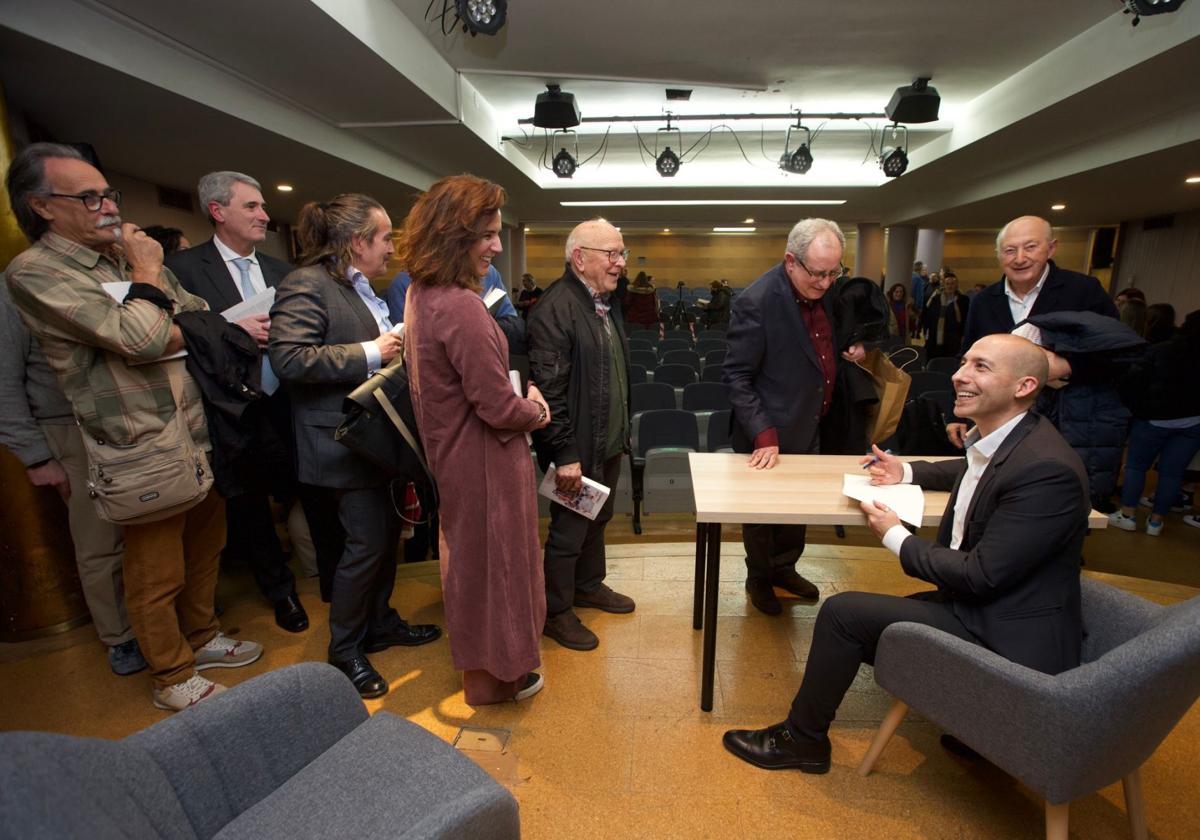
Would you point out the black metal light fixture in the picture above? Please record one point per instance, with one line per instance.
(482, 17)
(1145, 8)
(564, 163)
(667, 163)
(798, 160)
(893, 160)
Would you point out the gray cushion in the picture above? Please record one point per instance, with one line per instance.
(56, 786)
(387, 778)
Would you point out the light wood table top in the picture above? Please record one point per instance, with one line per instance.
(800, 490)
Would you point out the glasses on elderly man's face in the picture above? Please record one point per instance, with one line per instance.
(92, 200)
(832, 274)
(613, 256)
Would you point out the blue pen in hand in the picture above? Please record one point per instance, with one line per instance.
(875, 459)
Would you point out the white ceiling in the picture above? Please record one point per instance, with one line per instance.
(1041, 101)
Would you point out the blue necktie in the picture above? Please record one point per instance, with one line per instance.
(270, 382)
(243, 267)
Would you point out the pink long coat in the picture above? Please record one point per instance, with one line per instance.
(472, 426)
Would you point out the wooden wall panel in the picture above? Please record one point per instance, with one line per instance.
(669, 258)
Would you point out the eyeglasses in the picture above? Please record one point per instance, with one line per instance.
(613, 256)
(93, 201)
(832, 274)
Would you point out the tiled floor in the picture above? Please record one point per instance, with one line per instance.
(616, 745)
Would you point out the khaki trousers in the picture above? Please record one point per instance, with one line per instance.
(98, 544)
(170, 581)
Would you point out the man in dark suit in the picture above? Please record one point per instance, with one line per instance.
(1006, 560)
(329, 332)
(1032, 285)
(781, 367)
(225, 271)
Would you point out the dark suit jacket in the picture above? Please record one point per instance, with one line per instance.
(1063, 291)
(202, 272)
(1014, 581)
(772, 369)
(317, 326)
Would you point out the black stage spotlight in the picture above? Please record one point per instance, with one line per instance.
(798, 160)
(893, 162)
(482, 17)
(667, 163)
(564, 164)
(1143, 8)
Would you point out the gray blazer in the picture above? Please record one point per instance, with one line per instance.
(317, 326)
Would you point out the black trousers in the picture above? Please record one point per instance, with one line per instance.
(251, 539)
(846, 635)
(771, 548)
(366, 573)
(574, 557)
(320, 507)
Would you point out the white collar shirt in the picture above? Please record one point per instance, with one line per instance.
(1021, 307)
(256, 276)
(378, 310)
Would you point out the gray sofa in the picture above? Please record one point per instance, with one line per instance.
(290, 754)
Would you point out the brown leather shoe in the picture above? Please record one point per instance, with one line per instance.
(790, 581)
(603, 598)
(566, 629)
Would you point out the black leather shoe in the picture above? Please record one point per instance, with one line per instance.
(364, 677)
(402, 633)
(290, 614)
(790, 581)
(763, 596)
(774, 748)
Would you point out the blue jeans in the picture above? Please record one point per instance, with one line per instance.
(1174, 449)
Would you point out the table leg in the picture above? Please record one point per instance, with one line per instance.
(712, 575)
(698, 586)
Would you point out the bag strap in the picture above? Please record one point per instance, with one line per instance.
(891, 357)
(402, 428)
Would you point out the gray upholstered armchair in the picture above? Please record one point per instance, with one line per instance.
(1067, 735)
(290, 754)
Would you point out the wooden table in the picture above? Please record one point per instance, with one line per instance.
(800, 490)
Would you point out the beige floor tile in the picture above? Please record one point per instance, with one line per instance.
(745, 639)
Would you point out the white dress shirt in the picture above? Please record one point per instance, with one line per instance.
(979, 454)
(1020, 307)
(256, 276)
(378, 310)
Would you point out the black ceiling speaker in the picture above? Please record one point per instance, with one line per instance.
(915, 103)
(555, 109)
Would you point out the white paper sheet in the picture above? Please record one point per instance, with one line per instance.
(260, 304)
(514, 376)
(906, 500)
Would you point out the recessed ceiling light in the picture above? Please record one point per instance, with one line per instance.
(703, 202)
(284, 187)
(528, 229)
(749, 221)
(734, 229)
(1195, 179)
(1058, 207)
(666, 230)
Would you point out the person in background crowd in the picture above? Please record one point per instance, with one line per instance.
(579, 358)
(108, 357)
(1160, 323)
(1032, 285)
(781, 369)
(472, 424)
(40, 430)
(897, 297)
(1133, 315)
(171, 239)
(641, 303)
(531, 293)
(920, 287)
(1164, 393)
(1127, 294)
(716, 311)
(945, 315)
(227, 270)
(329, 332)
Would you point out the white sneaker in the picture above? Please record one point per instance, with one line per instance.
(1120, 520)
(177, 697)
(223, 652)
(1193, 520)
(1154, 529)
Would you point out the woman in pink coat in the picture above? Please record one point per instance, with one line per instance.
(473, 428)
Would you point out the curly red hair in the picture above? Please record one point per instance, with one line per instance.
(444, 222)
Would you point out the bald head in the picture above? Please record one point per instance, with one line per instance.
(1023, 227)
(596, 253)
(585, 233)
(999, 378)
(1019, 356)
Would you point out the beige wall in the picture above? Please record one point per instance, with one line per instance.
(669, 258)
